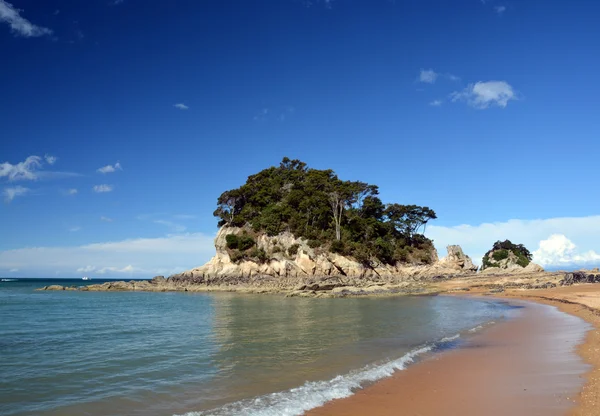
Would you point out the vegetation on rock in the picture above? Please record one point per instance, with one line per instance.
(345, 217)
(502, 250)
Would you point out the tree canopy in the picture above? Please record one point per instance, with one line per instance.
(346, 216)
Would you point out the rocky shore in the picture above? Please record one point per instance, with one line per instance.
(294, 268)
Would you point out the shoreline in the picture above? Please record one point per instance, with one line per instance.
(582, 301)
(470, 381)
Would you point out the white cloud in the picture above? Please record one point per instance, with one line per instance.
(12, 193)
(51, 160)
(13, 270)
(500, 10)
(478, 239)
(428, 76)
(181, 106)
(31, 169)
(142, 256)
(106, 219)
(110, 168)
(436, 103)
(559, 250)
(74, 229)
(482, 95)
(25, 170)
(103, 188)
(72, 191)
(18, 24)
(85, 269)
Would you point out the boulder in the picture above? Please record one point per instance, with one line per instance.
(579, 277)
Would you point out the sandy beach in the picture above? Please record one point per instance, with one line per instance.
(525, 366)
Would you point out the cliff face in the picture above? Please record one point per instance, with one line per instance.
(308, 264)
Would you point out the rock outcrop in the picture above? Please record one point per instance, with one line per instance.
(579, 277)
(508, 262)
(458, 260)
(308, 264)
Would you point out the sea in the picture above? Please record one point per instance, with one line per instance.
(200, 354)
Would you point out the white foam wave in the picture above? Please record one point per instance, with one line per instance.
(313, 394)
(8, 280)
(452, 338)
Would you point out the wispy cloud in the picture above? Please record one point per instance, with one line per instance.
(174, 227)
(482, 95)
(51, 160)
(436, 103)
(110, 168)
(185, 217)
(12, 193)
(106, 219)
(71, 191)
(31, 169)
(141, 256)
(499, 10)
(428, 76)
(117, 2)
(103, 188)
(74, 229)
(262, 115)
(18, 24)
(181, 106)
(25, 170)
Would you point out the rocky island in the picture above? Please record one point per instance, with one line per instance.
(304, 232)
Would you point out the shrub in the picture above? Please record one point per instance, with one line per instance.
(500, 255)
(337, 246)
(523, 261)
(232, 241)
(401, 255)
(293, 250)
(314, 243)
(245, 242)
(236, 256)
(276, 249)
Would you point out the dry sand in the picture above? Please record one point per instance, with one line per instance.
(508, 369)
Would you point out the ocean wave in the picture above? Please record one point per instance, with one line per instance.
(313, 394)
(8, 280)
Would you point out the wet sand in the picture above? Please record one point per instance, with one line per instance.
(524, 366)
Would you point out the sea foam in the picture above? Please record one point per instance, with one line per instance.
(313, 394)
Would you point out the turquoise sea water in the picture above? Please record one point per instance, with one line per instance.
(112, 353)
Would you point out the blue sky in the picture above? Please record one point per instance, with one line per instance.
(483, 110)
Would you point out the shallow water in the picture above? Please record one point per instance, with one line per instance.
(99, 353)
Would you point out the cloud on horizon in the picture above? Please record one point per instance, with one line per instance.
(144, 257)
(482, 95)
(554, 242)
(18, 24)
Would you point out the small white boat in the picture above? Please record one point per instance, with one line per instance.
(86, 278)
